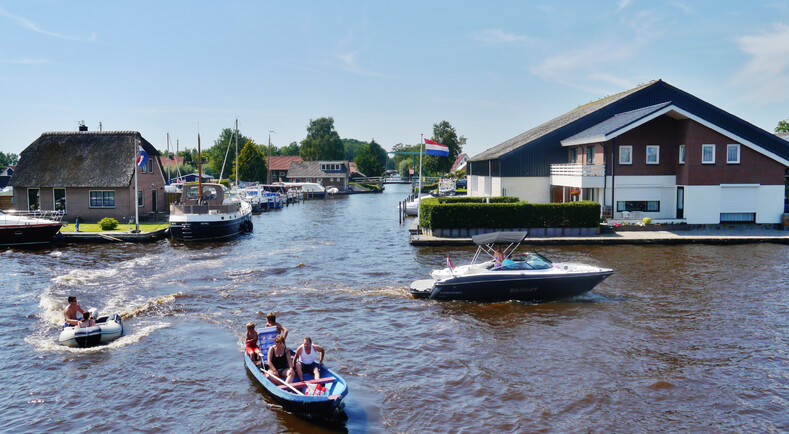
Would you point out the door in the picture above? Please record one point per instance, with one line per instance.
(154, 202)
(680, 202)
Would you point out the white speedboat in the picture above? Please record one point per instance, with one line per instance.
(412, 206)
(106, 330)
(22, 230)
(526, 277)
(311, 190)
(206, 213)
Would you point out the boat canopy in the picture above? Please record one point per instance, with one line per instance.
(499, 238)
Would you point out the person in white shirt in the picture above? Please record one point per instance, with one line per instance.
(305, 354)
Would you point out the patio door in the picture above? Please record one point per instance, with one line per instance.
(680, 202)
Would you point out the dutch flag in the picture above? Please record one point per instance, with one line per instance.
(434, 148)
(142, 156)
(449, 264)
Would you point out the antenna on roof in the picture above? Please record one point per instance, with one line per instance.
(82, 126)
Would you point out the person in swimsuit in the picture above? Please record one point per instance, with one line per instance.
(280, 364)
(252, 344)
(305, 354)
(87, 321)
(271, 321)
(71, 311)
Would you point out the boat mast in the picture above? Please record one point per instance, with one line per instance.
(419, 191)
(236, 152)
(199, 172)
(168, 157)
(268, 162)
(177, 170)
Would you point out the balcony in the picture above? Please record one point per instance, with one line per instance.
(578, 175)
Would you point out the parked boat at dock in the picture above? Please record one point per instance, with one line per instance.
(27, 230)
(525, 277)
(206, 213)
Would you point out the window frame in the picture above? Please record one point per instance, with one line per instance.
(739, 153)
(572, 155)
(657, 154)
(590, 155)
(140, 198)
(38, 196)
(105, 196)
(55, 201)
(629, 154)
(708, 146)
(624, 205)
(681, 153)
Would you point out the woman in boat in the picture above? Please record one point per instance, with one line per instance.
(86, 321)
(498, 256)
(280, 364)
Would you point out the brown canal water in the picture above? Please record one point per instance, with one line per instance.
(689, 337)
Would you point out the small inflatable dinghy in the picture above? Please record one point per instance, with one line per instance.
(107, 329)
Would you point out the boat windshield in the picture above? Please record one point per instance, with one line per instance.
(529, 261)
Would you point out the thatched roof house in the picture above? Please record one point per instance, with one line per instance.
(326, 173)
(88, 175)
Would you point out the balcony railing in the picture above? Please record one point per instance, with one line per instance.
(577, 170)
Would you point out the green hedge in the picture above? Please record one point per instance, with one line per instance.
(454, 213)
(467, 199)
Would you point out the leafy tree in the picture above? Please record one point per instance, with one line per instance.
(290, 150)
(445, 134)
(216, 154)
(8, 160)
(390, 163)
(371, 159)
(404, 165)
(322, 141)
(352, 147)
(783, 127)
(251, 164)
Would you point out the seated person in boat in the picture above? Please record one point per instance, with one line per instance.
(71, 310)
(87, 321)
(305, 354)
(252, 344)
(271, 321)
(498, 257)
(280, 364)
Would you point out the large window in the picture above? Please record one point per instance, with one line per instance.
(638, 205)
(59, 199)
(140, 199)
(653, 154)
(681, 154)
(590, 155)
(573, 155)
(102, 199)
(626, 154)
(33, 199)
(733, 154)
(707, 154)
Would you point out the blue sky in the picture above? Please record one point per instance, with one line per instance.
(383, 70)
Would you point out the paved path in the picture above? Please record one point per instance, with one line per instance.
(698, 236)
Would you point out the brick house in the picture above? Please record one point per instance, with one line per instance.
(653, 151)
(326, 173)
(279, 166)
(89, 174)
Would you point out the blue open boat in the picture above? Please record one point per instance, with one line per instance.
(325, 406)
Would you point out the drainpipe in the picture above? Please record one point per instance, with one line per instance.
(605, 177)
(613, 177)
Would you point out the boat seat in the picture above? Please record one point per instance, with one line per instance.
(301, 384)
(266, 337)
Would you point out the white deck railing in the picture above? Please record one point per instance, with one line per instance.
(577, 170)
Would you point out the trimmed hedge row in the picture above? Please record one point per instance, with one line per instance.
(475, 199)
(459, 215)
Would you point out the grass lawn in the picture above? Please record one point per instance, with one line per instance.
(94, 227)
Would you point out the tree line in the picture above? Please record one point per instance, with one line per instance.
(322, 143)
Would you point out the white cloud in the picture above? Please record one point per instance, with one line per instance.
(619, 82)
(25, 61)
(621, 4)
(766, 75)
(683, 7)
(574, 67)
(498, 36)
(34, 27)
(350, 64)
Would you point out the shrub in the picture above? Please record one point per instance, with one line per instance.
(646, 220)
(108, 224)
(506, 213)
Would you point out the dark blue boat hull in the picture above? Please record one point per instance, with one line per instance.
(493, 288)
(213, 231)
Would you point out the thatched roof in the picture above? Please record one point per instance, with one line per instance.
(80, 159)
(312, 169)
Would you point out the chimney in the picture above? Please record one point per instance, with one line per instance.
(82, 126)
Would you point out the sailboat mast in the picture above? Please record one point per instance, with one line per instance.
(199, 171)
(236, 152)
(168, 158)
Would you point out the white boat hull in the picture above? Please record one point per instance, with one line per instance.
(105, 331)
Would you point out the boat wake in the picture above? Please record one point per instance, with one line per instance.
(151, 305)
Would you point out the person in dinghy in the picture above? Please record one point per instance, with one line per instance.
(71, 311)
